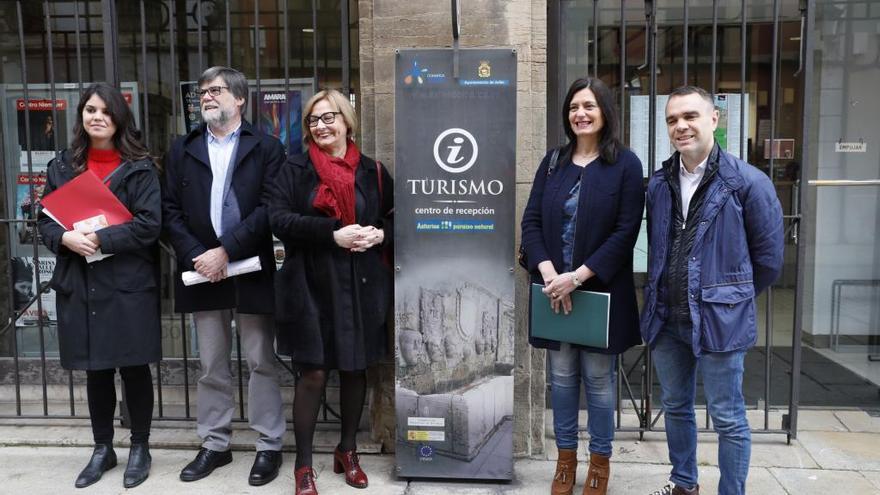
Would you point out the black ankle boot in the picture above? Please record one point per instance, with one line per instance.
(103, 459)
(138, 468)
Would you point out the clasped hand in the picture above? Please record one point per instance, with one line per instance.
(212, 264)
(557, 287)
(83, 244)
(357, 238)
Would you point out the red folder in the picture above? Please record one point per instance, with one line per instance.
(85, 196)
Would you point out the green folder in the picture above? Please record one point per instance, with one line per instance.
(586, 324)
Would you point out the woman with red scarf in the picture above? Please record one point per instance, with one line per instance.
(332, 208)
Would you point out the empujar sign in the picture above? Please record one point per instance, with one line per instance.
(454, 232)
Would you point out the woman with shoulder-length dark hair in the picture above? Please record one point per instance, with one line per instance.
(332, 208)
(108, 310)
(578, 232)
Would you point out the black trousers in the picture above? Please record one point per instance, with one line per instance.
(102, 401)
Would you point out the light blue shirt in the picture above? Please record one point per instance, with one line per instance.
(221, 151)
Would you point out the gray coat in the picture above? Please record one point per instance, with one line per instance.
(108, 311)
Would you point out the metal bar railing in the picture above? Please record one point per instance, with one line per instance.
(843, 182)
(52, 96)
(145, 89)
(199, 35)
(684, 43)
(314, 46)
(622, 377)
(715, 45)
(175, 76)
(48, 403)
(622, 50)
(258, 124)
(228, 35)
(346, 49)
(595, 46)
(90, 60)
(30, 170)
(256, 74)
(768, 314)
(837, 286)
(286, 27)
(743, 154)
(111, 42)
(648, 370)
(186, 400)
(79, 73)
(647, 396)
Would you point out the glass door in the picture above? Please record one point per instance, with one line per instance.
(840, 286)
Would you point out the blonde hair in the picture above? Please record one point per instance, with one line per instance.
(335, 98)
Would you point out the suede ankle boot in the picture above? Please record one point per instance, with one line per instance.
(566, 468)
(597, 475)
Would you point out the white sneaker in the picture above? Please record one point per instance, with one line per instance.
(672, 489)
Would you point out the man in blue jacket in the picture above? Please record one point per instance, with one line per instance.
(716, 238)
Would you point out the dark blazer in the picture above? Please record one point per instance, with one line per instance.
(332, 303)
(186, 212)
(108, 311)
(610, 206)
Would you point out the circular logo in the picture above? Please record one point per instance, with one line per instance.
(426, 451)
(455, 150)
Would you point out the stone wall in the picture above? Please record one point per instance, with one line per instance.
(386, 25)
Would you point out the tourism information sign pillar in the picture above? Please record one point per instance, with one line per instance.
(454, 192)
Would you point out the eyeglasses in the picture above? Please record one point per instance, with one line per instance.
(326, 117)
(214, 90)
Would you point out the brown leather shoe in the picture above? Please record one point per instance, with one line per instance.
(348, 462)
(304, 479)
(566, 469)
(597, 475)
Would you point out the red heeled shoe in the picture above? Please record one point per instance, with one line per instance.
(347, 462)
(304, 478)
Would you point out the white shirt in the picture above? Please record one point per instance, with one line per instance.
(688, 183)
(220, 151)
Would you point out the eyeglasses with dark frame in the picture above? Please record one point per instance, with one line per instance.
(213, 90)
(326, 117)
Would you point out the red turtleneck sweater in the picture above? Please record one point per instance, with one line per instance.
(102, 162)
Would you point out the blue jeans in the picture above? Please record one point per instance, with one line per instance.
(722, 374)
(568, 366)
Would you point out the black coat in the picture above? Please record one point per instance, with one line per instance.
(108, 311)
(332, 303)
(186, 210)
(610, 206)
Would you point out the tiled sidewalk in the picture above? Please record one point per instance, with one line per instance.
(836, 452)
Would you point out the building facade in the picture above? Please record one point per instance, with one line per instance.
(794, 80)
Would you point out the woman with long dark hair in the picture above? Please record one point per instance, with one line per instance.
(332, 209)
(108, 310)
(578, 232)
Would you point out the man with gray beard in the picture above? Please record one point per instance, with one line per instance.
(216, 187)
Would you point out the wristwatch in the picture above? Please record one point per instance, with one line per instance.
(574, 279)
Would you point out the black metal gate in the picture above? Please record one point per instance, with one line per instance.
(618, 41)
(155, 44)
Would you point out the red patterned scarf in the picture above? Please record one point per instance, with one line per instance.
(335, 195)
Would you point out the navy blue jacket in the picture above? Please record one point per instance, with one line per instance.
(736, 254)
(610, 206)
(186, 215)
